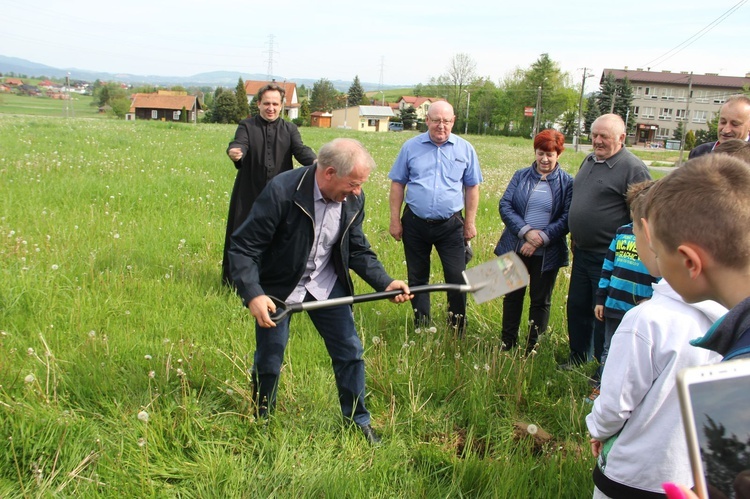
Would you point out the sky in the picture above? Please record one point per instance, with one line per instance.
(389, 42)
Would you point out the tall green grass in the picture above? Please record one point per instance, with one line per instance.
(124, 363)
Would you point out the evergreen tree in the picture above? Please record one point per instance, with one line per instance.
(356, 93)
(243, 108)
(607, 92)
(689, 140)
(225, 108)
(708, 135)
(409, 117)
(592, 112)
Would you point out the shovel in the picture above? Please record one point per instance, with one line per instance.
(486, 281)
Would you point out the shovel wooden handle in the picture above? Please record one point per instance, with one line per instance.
(283, 309)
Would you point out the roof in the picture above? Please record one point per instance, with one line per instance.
(667, 77)
(252, 87)
(322, 114)
(418, 101)
(376, 111)
(160, 101)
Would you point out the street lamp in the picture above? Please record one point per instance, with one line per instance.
(468, 101)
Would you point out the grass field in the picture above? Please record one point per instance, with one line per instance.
(44, 106)
(124, 364)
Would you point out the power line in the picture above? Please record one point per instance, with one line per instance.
(682, 46)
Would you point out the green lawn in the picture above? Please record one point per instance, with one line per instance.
(124, 364)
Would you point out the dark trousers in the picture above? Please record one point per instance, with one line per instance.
(582, 325)
(610, 326)
(336, 326)
(540, 289)
(419, 236)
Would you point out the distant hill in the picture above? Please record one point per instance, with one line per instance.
(210, 79)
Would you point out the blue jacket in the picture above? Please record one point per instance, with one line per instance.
(513, 208)
(269, 252)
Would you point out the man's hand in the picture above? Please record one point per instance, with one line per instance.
(405, 296)
(599, 312)
(235, 154)
(259, 307)
(470, 231)
(396, 230)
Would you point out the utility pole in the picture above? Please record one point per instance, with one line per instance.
(468, 100)
(686, 119)
(537, 110)
(577, 136)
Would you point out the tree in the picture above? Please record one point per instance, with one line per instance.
(120, 106)
(409, 117)
(460, 74)
(225, 108)
(243, 107)
(708, 135)
(304, 112)
(569, 123)
(356, 93)
(324, 96)
(689, 140)
(183, 115)
(592, 112)
(677, 134)
(106, 93)
(418, 90)
(616, 98)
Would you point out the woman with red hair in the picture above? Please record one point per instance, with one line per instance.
(534, 210)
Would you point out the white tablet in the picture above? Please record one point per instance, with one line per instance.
(715, 403)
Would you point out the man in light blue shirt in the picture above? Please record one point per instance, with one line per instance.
(436, 175)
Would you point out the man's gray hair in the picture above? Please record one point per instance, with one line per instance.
(342, 154)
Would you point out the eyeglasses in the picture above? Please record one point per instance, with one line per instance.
(440, 122)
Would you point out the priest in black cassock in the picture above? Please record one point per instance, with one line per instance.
(263, 147)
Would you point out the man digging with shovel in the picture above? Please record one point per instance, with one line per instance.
(303, 235)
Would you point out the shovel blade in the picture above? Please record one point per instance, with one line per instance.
(496, 278)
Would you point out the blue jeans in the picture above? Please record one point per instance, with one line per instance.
(419, 236)
(584, 331)
(336, 326)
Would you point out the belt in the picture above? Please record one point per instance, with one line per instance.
(434, 221)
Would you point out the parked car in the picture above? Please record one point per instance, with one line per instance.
(396, 126)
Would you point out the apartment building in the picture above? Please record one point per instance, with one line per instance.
(663, 99)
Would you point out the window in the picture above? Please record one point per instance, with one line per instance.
(647, 91)
(720, 98)
(154, 114)
(654, 93)
(372, 122)
(664, 133)
(681, 115)
(701, 96)
(665, 114)
(667, 93)
(636, 110)
(638, 91)
(648, 112)
(699, 116)
(681, 95)
(176, 115)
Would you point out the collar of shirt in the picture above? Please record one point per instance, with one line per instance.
(611, 161)
(426, 138)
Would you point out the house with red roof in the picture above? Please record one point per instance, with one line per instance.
(164, 105)
(420, 104)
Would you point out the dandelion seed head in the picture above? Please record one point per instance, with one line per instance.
(418, 330)
(30, 378)
(433, 329)
(147, 357)
(143, 416)
(376, 340)
(141, 442)
(230, 392)
(92, 334)
(30, 351)
(152, 374)
(458, 355)
(532, 429)
(55, 266)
